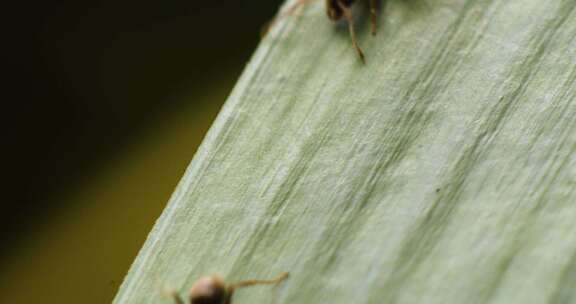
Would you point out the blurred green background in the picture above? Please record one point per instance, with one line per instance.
(106, 104)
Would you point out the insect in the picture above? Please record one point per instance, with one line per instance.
(213, 289)
(338, 10)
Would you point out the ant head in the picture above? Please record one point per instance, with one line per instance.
(209, 290)
(333, 10)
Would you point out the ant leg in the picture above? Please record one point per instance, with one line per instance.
(247, 283)
(295, 6)
(350, 20)
(373, 21)
(290, 11)
(176, 297)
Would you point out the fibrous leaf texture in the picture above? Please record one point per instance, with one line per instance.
(441, 171)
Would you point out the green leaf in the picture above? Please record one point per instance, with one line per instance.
(441, 171)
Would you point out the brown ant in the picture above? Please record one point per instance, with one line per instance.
(338, 10)
(213, 289)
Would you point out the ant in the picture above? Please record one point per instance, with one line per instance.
(213, 289)
(338, 10)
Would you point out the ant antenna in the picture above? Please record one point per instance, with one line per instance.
(288, 12)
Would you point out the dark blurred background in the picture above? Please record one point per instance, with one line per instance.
(104, 106)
